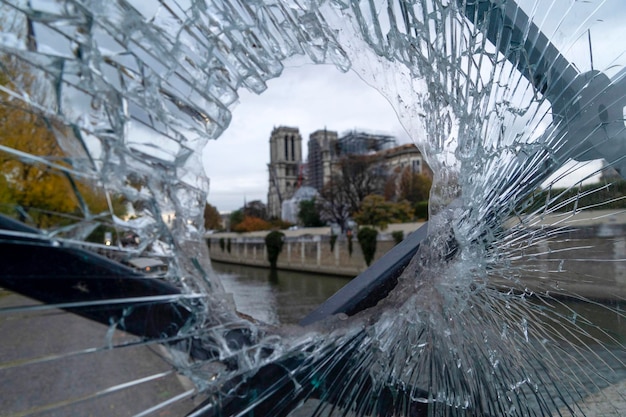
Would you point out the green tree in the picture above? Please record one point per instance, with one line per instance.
(421, 210)
(606, 196)
(276, 223)
(309, 214)
(333, 240)
(235, 218)
(406, 185)
(376, 211)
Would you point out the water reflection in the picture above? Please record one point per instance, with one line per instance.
(276, 297)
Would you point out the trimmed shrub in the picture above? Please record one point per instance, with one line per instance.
(333, 239)
(367, 239)
(349, 244)
(99, 232)
(274, 244)
(421, 210)
(398, 236)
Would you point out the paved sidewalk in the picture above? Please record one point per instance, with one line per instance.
(609, 402)
(47, 369)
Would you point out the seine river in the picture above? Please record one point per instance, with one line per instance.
(279, 297)
(285, 297)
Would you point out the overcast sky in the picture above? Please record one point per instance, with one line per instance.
(304, 96)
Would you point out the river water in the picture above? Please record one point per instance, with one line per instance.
(285, 297)
(276, 297)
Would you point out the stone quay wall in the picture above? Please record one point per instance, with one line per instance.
(299, 253)
(586, 257)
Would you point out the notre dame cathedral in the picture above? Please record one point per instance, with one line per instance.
(284, 167)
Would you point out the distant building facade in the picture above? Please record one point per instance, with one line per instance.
(323, 150)
(326, 150)
(287, 173)
(284, 167)
(356, 142)
(401, 157)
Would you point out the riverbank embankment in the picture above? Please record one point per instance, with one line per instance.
(307, 249)
(582, 254)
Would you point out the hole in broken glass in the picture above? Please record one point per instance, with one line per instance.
(307, 97)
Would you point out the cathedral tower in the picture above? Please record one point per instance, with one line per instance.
(284, 167)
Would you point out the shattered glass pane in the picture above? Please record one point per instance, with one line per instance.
(106, 107)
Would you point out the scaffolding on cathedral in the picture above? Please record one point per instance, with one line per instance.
(325, 148)
(356, 142)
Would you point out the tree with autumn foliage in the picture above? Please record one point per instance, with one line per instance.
(407, 185)
(378, 212)
(212, 218)
(252, 224)
(414, 187)
(39, 187)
